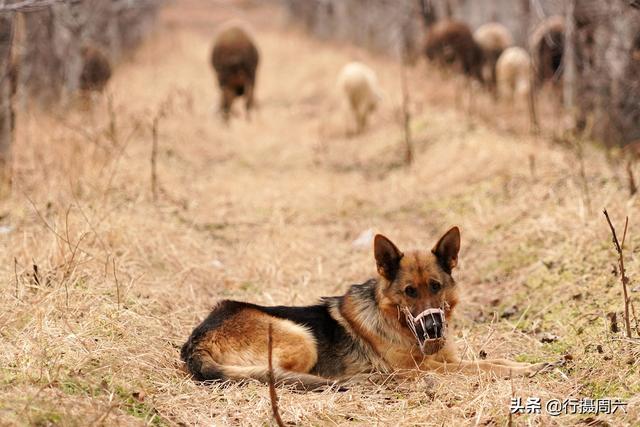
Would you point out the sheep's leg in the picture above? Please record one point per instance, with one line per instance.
(364, 119)
(469, 88)
(503, 88)
(249, 102)
(494, 80)
(361, 119)
(512, 91)
(458, 91)
(226, 98)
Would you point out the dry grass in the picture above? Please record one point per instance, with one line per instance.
(266, 211)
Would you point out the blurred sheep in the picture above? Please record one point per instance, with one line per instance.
(450, 43)
(513, 73)
(493, 38)
(547, 47)
(360, 86)
(235, 60)
(96, 70)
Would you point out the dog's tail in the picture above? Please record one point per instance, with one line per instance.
(204, 368)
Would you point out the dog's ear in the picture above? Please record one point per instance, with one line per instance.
(447, 248)
(388, 257)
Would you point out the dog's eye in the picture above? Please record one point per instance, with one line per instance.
(411, 291)
(435, 286)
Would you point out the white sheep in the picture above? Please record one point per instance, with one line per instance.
(513, 73)
(493, 38)
(360, 85)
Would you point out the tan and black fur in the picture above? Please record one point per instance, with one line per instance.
(360, 331)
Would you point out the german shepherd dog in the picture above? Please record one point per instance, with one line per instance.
(395, 322)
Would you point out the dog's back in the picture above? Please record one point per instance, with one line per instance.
(231, 343)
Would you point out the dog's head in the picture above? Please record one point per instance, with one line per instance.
(419, 285)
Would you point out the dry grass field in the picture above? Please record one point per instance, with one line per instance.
(101, 284)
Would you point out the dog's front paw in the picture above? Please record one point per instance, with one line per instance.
(537, 368)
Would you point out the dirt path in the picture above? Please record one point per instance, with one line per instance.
(267, 211)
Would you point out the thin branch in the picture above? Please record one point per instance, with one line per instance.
(53, 230)
(510, 421)
(115, 277)
(623, 278)
(29, 5)
(163, 109)
(272, 387)
(113, 125)
(15, 272)
(68, 271)
(633, 188)
(33, 5)
(154, 156)
(406, 115)
(583, 173)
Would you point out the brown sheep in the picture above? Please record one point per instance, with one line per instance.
(235, 61)
(493, 38)
(96, 70)
(547, 47)
(450, 43)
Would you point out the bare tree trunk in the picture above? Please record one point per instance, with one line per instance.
(569, 59)
(428, 12)
(7, 97)
(69, 20)
(534, 124)
(113, 34)
(448, 8)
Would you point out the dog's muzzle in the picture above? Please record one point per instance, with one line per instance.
(429, 328)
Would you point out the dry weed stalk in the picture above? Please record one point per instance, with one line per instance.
(272, 387)
(513, 394)
(623, 277)
(113, 124)
(583, 174)
(154, 155)
(115, 277)
(633, 188)
(532, 165)
(15, 272)
(534, 123)
(70, 264)
(161, 112)
(406, 115)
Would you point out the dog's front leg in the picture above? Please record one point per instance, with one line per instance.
(447, 360)
(476, 366)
